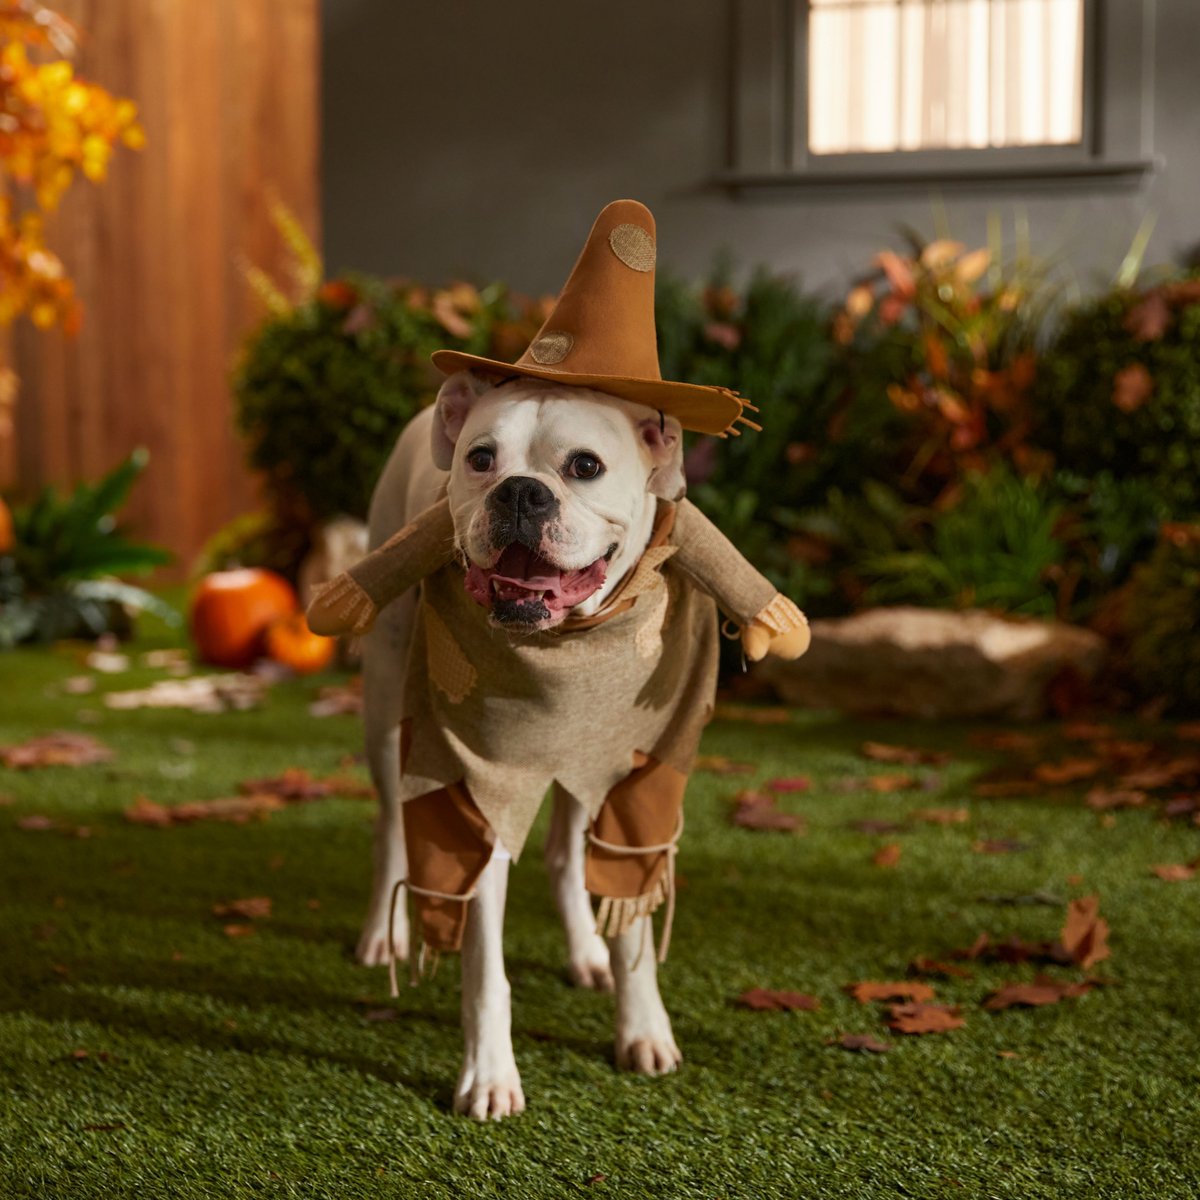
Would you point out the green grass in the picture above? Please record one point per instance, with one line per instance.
(245, 1067)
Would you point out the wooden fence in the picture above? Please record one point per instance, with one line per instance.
(228, 95)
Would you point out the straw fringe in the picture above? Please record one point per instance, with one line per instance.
(781, 616)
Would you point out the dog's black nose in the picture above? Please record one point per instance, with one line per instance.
(524, 497)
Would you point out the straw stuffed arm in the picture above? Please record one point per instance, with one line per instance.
(770, 623)
(351, 602)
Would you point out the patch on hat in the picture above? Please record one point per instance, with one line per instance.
(633, 246)
(551, 347)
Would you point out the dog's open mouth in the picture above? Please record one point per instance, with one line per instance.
(524, 588)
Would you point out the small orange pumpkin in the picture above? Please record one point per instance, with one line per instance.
(292, 643)
(231, 612)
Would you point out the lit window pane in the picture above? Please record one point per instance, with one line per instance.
(943, 74)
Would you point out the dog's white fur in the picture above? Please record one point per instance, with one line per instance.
(533, 427)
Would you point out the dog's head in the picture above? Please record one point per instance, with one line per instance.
(553, 490)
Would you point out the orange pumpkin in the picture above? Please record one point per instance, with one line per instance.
(7, 540)
(292, 643)
(231, 612)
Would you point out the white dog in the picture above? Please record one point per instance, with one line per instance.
(531, 425)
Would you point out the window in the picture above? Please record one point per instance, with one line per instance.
(836, 91)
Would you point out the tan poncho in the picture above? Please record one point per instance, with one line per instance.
(494, 718)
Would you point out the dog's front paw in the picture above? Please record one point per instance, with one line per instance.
(647, 1046)
(590, 968)
(488, 1096)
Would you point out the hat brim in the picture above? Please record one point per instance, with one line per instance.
(710, 410)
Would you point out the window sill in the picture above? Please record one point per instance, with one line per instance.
(1125, 173)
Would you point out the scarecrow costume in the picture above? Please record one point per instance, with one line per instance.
(610, 706)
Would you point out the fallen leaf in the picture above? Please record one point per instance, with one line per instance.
(1070, 770)
(248, 909)
(904, 989)
(58, 749)
(1085, 932)
(908, 755)
(718, 764)
(238, 931)
(1005, 740)
(924, 1018)
(1150, 317)
(931, 966)
(767, 819)
(999, 846)
(1007, 1054)
(1189, 731)
(754, 798)
(860, 1043)
(887, 856)
(1164, 774)
(1102, 799)
(235, 809)
(766, 998)
(36, 823)
(941, 816)
(1175, 872)
(1043, 990)
(335, 700)
(79, 685)
(875, 825)
(1086, 731)
(892, 783)
(795, 783)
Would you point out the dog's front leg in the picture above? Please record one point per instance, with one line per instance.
(645, 1042)
(587, 955)
(488, 1084)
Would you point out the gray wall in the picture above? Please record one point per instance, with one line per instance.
(478, 139)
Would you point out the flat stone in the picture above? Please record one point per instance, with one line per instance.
(932, 663)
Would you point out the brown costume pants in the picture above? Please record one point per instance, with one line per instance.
(629, 852)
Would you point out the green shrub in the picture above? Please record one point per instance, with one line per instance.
(323, 390)
(1164, 613)
(997, 548)
(55, 581)
(1118, 393)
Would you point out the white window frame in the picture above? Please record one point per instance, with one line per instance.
(769, 129)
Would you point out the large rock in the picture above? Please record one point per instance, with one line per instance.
(925, 662)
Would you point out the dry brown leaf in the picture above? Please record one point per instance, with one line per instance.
(941, 816)
(762, 818)
(860, 1043)
(196, 693)
(1102, 799)
(767, 998)
(1030, 995)
(924, 1018)
(1180, 770)
(1132, 387)
(235, 809)
(249, 909)
(58, 749)
(999, 846)
(1085, 932)
(904, 989)
(1005, 739)
(238, 931)
(754, 798)
(887, 856)
(335, 700)
(892, 783)
(1070, 770)
(36, 823)
(1189, 731)
(791, 783)
(1086, 731)
(907, 755)
(1175, 872)
(931, 966)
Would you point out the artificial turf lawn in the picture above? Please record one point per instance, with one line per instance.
(246, 1066)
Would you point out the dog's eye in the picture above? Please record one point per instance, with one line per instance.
(481, 459)
(584, 466)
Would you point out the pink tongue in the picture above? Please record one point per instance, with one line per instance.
(521, 571)
(520, 565)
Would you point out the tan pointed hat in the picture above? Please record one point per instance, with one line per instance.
(601, 332)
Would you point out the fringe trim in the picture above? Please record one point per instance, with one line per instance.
(781, 616)
(345, 597)
(618, 914)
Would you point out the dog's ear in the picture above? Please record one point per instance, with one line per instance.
(454, 400)
(663, 437)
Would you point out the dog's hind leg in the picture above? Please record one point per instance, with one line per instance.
(385, 650)
(587, 955)
(489, 1086)
(645, 1043)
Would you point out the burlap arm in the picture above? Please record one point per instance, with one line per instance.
(714, 565)
(350, 603)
